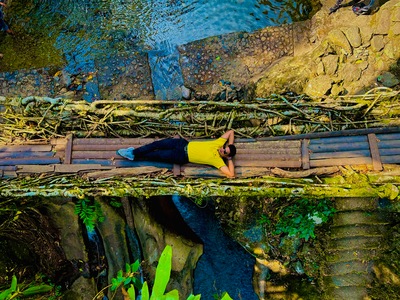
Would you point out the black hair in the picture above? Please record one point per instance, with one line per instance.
(232, 151)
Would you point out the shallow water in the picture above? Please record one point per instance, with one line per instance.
(87, 29)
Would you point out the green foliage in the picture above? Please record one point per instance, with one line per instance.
(128, 281)
(89, 212)
(15, 290)
(301, 218)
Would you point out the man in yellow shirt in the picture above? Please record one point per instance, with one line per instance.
(217, 153)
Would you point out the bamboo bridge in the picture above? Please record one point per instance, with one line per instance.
(373, 148)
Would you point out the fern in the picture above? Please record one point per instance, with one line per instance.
(89, 212)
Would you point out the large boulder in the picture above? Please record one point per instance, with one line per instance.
(158, 223)
(352, 51)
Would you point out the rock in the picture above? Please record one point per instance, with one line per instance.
(319, 86)
(377, 43)
(185, 92)
(154, 236)
(388, 79)
(394, 29)
(330, 64)
(339, 41)
(353, 35)
(337, 90)
(350, 73)
(320, 68)
(382, 24)
(392, 49)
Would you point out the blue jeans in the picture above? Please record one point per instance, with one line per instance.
(167, 150)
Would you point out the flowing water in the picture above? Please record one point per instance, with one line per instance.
(85, 30)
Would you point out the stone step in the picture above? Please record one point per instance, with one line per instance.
(359, 217)
(348, 293)
(333, 256)
(348, 280)
(355, 243)
(357, 230)
(348, 267)
(351, 204)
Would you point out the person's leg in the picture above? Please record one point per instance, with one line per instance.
(165, 144)
(166, 150)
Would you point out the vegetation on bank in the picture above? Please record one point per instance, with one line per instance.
(34, 118)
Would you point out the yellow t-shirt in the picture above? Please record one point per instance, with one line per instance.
(206, 152)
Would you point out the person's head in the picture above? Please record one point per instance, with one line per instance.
(228, 151)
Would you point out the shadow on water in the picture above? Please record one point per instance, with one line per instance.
(225, 266)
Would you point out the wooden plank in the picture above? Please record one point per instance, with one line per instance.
(340, 162)
(9, 174)
(25, 154)
(305, 154)
(388, 136)
(340, 154)
(35, 169)
(341, 139)
(210, 172)
(74, 168)
(124, 172)
(288, 151)
(337, 147)
(95, 154)
(68, 150)
(8, 168)
(389, 151)
(102, 147)
(376, 159)
(176, 169)
(29, 161)
(122, 163)
(15, 148)
(346, 132)
(260, 157)
(389, 144)
(392, 159)
(113, 141)
(269, 144)
(55, 142)
(270, 163)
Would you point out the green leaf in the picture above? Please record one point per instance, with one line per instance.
(114, 284)
(128, 268)
(4, 295)
(135, 266)
(163, 273)
(194, 297)
(145, 291)
(44, 288)
(172, 295)
(13, 286)
(127, 280)
(131, 293)
(226, 296)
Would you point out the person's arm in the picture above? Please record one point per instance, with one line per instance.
(229, 136)
(229, 170)
(3, 4)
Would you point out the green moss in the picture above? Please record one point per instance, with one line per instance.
(32, 47)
